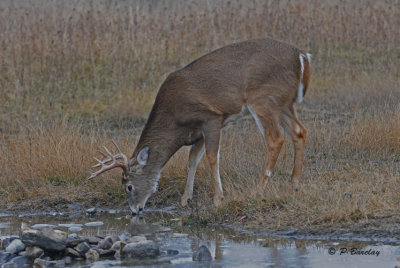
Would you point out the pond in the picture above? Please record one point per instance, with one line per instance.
(179, 243)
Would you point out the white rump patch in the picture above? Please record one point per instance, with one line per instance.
(309, 58)
(300, 89)
(258, 122)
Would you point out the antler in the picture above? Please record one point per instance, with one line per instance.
(114, 163)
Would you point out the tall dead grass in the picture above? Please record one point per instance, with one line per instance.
(76, 74)
(106, 59)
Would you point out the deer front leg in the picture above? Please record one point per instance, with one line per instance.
(212, 136)
(195, 155)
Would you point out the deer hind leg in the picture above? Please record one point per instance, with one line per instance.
(298, 133)
(268, 123)
(211, 132)
(195, 155)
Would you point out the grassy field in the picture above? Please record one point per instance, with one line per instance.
(76, 74)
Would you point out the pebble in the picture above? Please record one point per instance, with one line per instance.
(4, 225)
(41, 226)
(135, 239)
(93, 240)
(172, 252)
(68, 260)
(124, 236)
(15, 246)
(5, 257)
(291, 233)
(20, 261)
(117, 245)
(6, 240)
(82, 248)
(47, 263)
(75, 229)
(203, 254)
(91, 211)
(179, 235)
(33, 252)
(69, 225)
(141, 249)
(94, 223)
(105, 252)
(72, 253)
(98, 265)
(48, 239)
(106, 243)
(92, 255)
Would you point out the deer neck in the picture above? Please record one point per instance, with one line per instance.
(163, 141)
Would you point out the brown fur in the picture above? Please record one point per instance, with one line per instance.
(193, 103)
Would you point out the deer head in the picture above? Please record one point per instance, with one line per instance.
(135, 175)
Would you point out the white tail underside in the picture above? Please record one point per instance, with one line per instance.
(300, 89)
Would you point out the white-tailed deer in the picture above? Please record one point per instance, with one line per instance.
(263, 76)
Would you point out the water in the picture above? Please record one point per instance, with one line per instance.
(229, 248)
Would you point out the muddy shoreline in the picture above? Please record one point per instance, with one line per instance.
(384, 230)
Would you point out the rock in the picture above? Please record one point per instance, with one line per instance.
(172, 252)
(135, 239)
(39, 263)
(92, 255)
(82, 248)
(291, 233)
(42, 226)
(5, 257)
(117, 245)
(33, 252)
(74, 242)
(203, 254)
(93, 240)
(124, 236)
(48, 239)
(72, 253)
(20, 261)
(75, 229)
(6, 240)
(117, 254)
(105, 252)
(98, 265)
(15, 246)
(73, 236)
(91, 211)
(141, 249)
(179, 235)
(69, 225)
(108, 242)
(67, 260)
(94, 223)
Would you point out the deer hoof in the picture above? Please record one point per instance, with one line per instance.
(185, 201)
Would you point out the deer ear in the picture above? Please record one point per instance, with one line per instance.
(143, 155)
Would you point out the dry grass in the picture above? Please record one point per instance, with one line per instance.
(76, 74)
